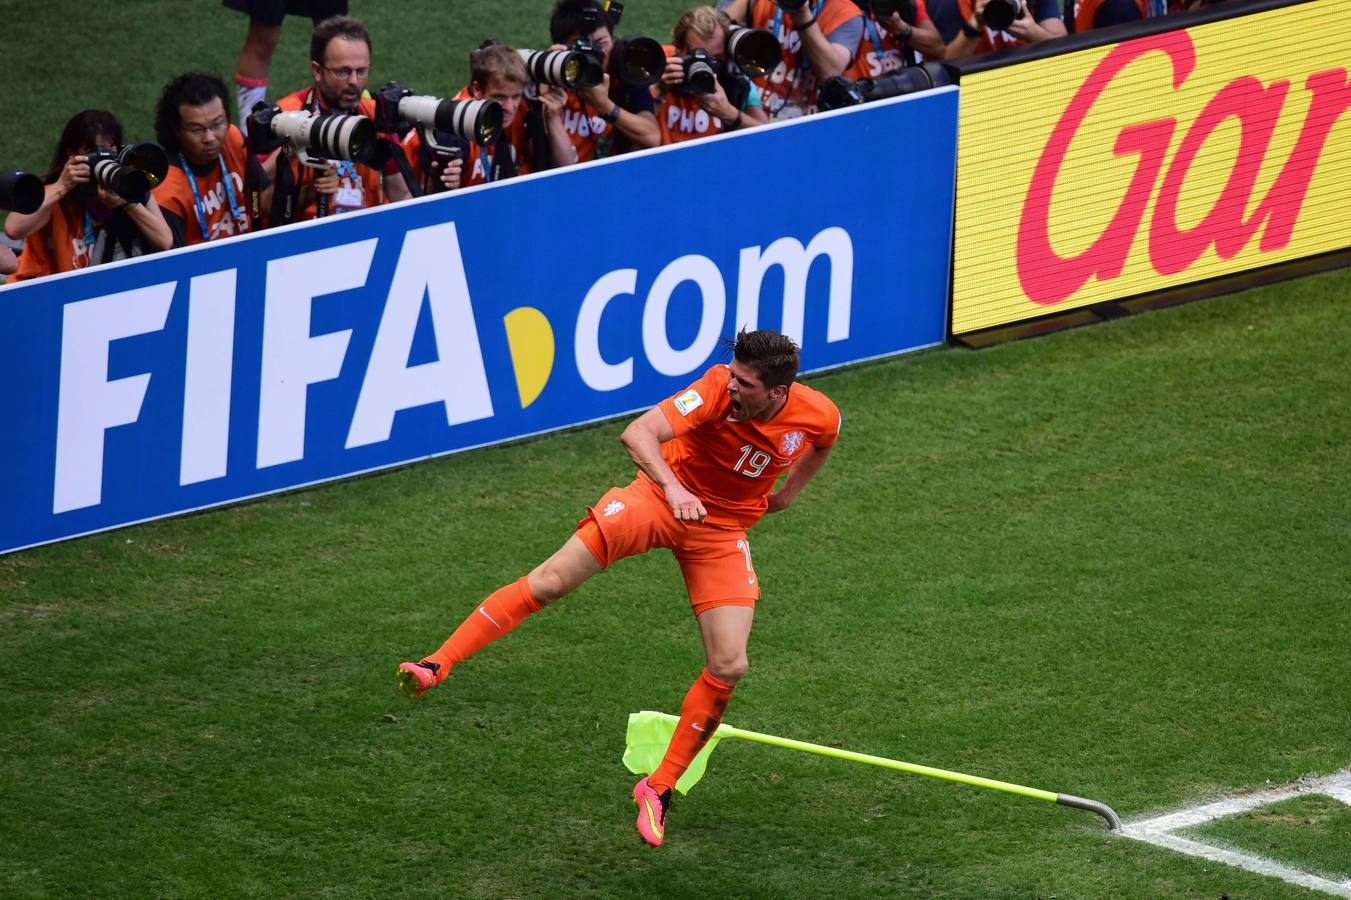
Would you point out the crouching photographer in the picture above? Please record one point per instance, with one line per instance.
(215, 188)
(979, 26)
(818, 39)
(97, 206)
(495, 131)
(605, 115)
(705, 89)
(894, 31)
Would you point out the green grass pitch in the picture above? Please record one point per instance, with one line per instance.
(1109, 562)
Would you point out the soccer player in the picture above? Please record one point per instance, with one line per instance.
(708, 459)
(255, 57)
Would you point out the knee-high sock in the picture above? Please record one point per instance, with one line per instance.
(504, 609)
(248, 91)
(700, 716)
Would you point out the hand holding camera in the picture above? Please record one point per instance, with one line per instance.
(73, 174)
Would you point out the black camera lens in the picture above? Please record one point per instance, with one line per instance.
(21, 192)
(701, 76)
(756, 50)
(593, 64)
(999, 14)
(638, 61)
(560, 68)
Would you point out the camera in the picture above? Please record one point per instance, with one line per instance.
(908, 10)
(999, 14)
(21, 192)
(701, 74)
(560, 68)
(396, 107)
(311, 135)
(838, 92)
(593, 63)
(637, 61)
(130, 173)
(755, 50)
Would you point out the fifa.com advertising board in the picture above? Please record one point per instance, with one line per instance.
(1164, 160)
(214, 373)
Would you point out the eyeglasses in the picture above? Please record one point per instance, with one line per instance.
(346, 73)
(200, 131)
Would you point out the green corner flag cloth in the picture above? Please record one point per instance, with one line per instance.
(645, 744)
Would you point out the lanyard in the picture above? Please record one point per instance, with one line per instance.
(483, 155)
(197, 197)
(874, 36)
(778, 18)
(346, 169)
(89, 236)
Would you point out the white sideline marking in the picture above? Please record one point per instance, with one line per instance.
(1159, 830)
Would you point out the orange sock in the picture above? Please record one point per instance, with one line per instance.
(700, 716)
(504, 609)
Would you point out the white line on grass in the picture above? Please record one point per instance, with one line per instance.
(1159, 830)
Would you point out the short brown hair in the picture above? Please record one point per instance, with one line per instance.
(773, 355)
(497, 61)
(703, 21)
(336, 26)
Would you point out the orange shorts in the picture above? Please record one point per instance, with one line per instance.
(715, 561)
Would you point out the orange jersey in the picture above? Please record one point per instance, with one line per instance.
(681, 118)
(358, 186)
(61, 245)
(590, 135)
(1000, 40)
(790, 90)
(731, 465)
(871, 60)
(174, 195)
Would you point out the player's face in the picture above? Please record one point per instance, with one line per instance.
(342, 76)
(750, 398)
(506, 93)
(201, 130)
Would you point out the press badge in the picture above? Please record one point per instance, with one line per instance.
(348, 199)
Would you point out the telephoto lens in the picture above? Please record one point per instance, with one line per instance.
(700, 76)
(479, 121)
(999, 14)
(131, 172)
(328, 135)
(21, 192)
(755, 50)
(906, 81)
(637, 61)
(560, 68)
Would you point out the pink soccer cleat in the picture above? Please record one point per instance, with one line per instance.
(651, 812)
(417, 678)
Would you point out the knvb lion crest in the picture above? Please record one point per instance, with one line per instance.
(790, 443)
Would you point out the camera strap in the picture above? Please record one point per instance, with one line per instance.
(240, 221)
(401, 159)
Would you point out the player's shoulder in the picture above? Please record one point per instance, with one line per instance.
(814, 407)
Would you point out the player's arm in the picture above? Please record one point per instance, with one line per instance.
(643, 439)
(798, 476)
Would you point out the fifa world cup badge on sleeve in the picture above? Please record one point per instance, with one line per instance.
(688, 402)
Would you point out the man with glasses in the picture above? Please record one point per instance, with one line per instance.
(213, 180)
(340, 64)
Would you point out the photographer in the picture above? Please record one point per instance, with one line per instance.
(1090, 14)
(496, 73)
(970, 27)
(81, 223)
(893, 33)
(340, 65)
(213, 180)
(682, 112)
(819, 39)
(611, 117)
(9, 263)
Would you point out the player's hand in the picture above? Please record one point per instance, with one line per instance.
(327, 183)
(552, 100)
(673, 75)
(685, 506)
(779, 500)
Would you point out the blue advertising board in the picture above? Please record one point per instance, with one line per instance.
(215, 373)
